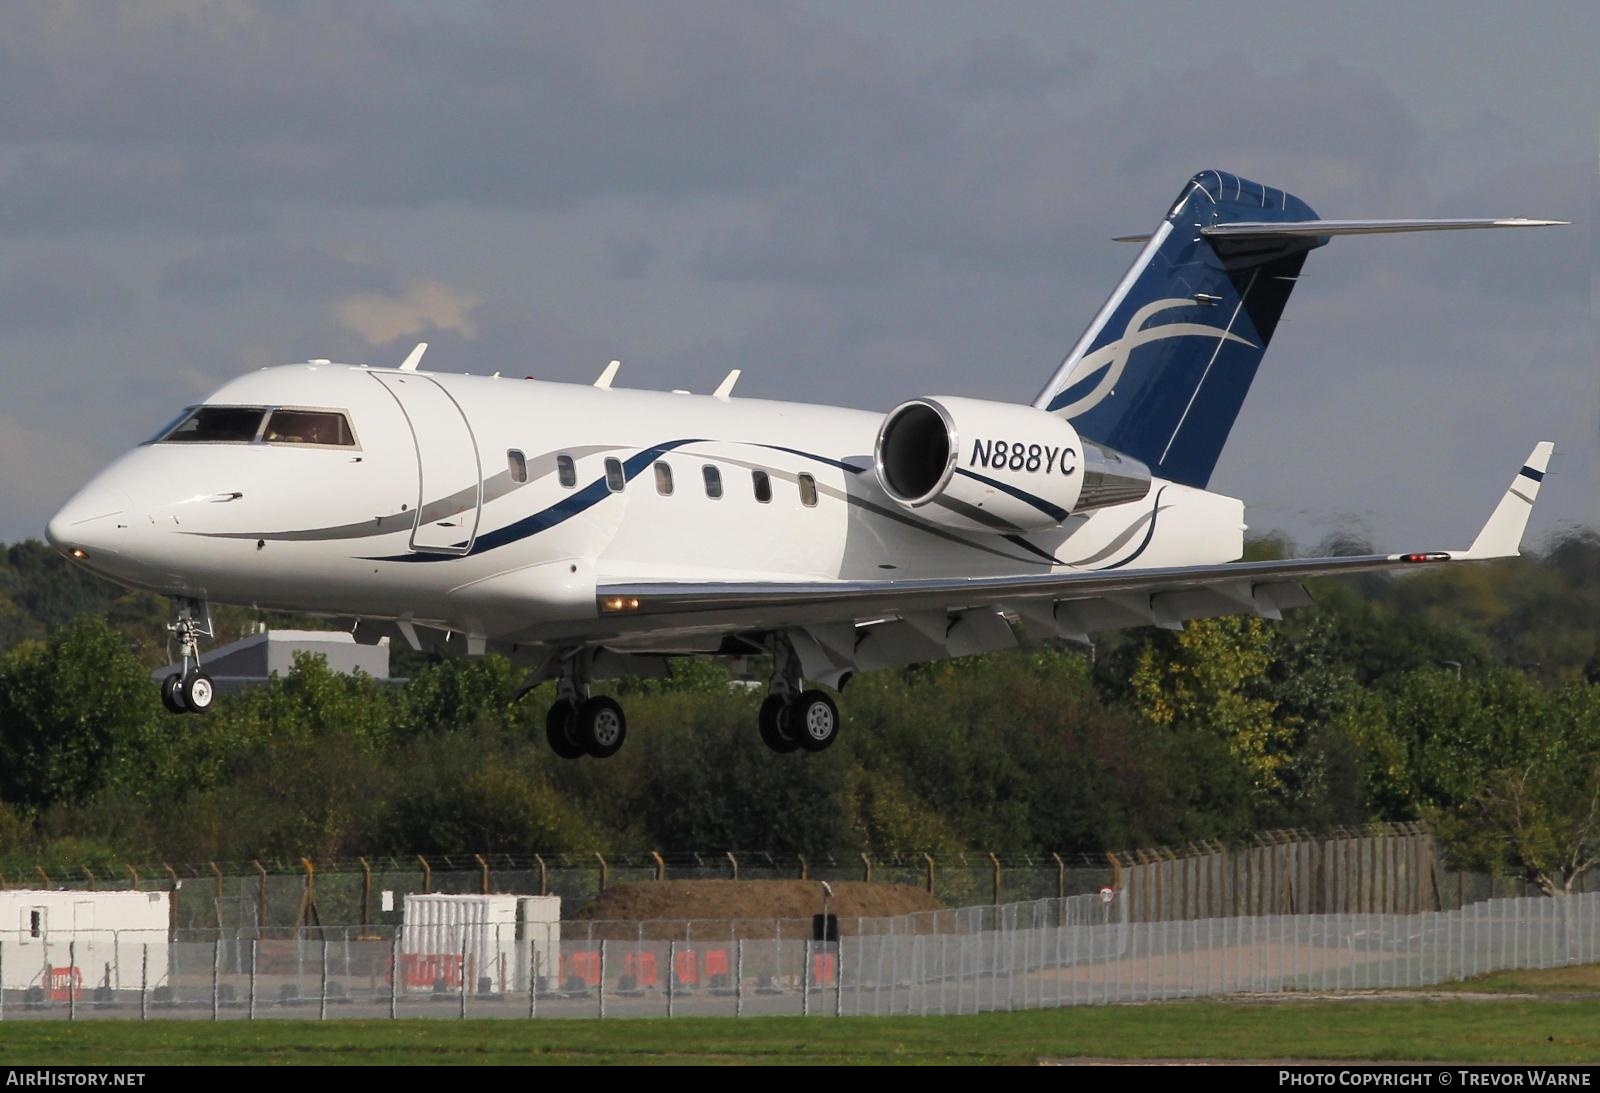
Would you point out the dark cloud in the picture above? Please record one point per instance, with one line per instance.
(137, 115)
(62, 292)
(1023, 186)
(1009, 66)
(237, 270)
(630, 257)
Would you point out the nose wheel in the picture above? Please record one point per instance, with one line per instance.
(172, 694)
(191, 690)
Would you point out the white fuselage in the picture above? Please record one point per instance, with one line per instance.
(334, 530)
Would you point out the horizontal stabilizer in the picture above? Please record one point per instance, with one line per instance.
(1265, 228)
(1501, 537)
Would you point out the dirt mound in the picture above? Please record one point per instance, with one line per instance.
(753, 904)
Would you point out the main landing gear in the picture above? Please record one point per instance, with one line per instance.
(191, 690)
(791, 718)
(581, 724)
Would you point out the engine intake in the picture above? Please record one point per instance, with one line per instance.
(997, 466)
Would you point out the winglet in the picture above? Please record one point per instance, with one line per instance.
(604, 382)
(414, 358)
(1501, 537)
(724, 389)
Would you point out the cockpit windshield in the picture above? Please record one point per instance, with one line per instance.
(308, 427)
(253, 424)
(217, 424)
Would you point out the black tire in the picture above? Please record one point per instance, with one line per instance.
(172, 694)
(602, 728)
(199, 692)
(772, 721)
(560, 729)
(813, 720)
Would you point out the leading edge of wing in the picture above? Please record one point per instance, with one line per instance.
(869, 597)
(1500, 538)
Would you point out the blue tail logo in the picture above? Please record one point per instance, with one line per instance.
(1095, 376)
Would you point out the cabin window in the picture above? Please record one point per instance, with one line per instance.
(36, 922)
(517, 464)
(323, 427)
(664, 479)
(808, 491)
(614, 479)
(763, 486)
(566, 471)
(713, 479)
(217, 425)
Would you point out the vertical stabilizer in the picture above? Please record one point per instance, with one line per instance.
(1163, 369)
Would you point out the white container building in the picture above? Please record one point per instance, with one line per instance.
(504, 938)
(114, 939)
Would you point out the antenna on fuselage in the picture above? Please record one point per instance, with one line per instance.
(604, 382)
(724, 389)
(414, 358)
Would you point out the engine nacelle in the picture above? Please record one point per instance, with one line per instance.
(998, 466)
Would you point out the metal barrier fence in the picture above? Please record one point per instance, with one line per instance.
(1391, 868)
(1040, 954)
(211, 896)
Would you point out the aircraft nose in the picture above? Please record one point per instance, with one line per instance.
(89, 521)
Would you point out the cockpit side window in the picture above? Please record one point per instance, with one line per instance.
(217, 425)
(325, 427)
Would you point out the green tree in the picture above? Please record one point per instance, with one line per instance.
(1534, 809)
(69, 707)
(1212, 676)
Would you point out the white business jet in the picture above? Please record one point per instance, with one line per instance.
(589, 532)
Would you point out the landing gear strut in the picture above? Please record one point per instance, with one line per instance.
(581, 724)
(792, 718)
(191, 690)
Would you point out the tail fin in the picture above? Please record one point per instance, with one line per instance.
(1164, 367)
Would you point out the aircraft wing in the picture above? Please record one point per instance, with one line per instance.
(838, 626)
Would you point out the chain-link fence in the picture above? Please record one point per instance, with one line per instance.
(1390, 868)
(369, 892)
(1037, 954)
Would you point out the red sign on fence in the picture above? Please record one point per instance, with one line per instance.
(66, 984)
(425, 971)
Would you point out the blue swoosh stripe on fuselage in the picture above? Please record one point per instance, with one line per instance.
(843, 466)
(563, 510)
(1055, 512)
(597, 491)
(1149, 533)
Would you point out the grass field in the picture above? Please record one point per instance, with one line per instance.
(1576, 980)
(1513, 1030)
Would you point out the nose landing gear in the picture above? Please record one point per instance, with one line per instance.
(191, 690)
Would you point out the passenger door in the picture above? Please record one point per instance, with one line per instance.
(450, 480)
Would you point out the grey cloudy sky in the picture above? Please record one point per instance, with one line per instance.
(854, 202)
